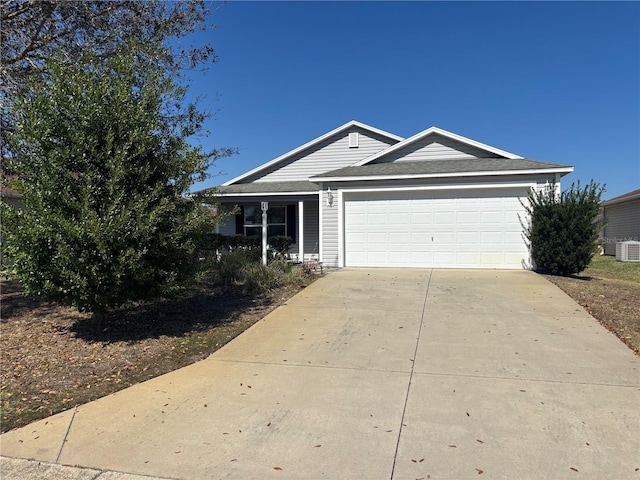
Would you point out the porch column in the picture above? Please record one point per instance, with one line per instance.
(301, 231)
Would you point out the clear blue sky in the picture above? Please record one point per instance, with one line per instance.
(551, 81)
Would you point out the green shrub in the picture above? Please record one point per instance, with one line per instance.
(229, 267)
(563, 231)
(280, 244)
(242, 268)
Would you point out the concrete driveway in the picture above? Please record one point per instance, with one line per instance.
(378, 374)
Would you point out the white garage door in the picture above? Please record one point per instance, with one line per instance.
(447, 229)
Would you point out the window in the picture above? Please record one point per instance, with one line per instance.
(276, 221)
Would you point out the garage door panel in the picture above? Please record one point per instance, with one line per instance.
(444, 218)
(444, 237)
(399, 257)
(376, 219)
(398, 218)
(468, 218)
(513, 238)
(494, 217)
(398, 238)
(443, 259)
(492, 258)
(467, 259)
(492, 238)
(468, 238)
(448, 229)
(377, 239)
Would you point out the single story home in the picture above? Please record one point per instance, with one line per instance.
(622, 217)
(358, 196)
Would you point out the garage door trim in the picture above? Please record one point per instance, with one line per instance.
(345, 192)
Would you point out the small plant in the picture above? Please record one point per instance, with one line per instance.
(229, 267)
(280, 244)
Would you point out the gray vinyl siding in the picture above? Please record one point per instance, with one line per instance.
(331, 154)
(434, 147)
(623, 223)
(330, 231)
(311, 230)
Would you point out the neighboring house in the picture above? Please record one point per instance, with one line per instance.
(10, 196)
(358, 196)
(622, 217)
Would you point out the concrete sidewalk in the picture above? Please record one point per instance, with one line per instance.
(377, 374)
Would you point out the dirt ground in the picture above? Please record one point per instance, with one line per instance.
(54, 358)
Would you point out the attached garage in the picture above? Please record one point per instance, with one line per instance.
(432, 200)
(479, 228)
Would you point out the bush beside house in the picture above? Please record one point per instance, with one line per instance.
(564, 228)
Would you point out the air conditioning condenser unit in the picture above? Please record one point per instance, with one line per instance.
(628, 251)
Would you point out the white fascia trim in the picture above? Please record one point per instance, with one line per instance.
(446, 175)
(352, 123)
(439, 131)
(614, 201)
(264, 194)
(461, 186)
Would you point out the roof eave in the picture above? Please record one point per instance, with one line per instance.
(616, 201)
(563, 170)
(264, 194)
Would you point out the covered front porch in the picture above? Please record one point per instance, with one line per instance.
(293, 213)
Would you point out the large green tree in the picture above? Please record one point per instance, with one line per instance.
(31, 31)
(104, 176)
(564, 228)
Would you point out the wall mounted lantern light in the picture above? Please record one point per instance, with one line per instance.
(329, 198)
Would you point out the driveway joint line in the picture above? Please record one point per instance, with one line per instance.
(413, 365)
(66, 434)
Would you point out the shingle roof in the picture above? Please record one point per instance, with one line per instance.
(623, 198)
(267, 187)
(440, 167)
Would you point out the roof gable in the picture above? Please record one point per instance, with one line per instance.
(436, 144)
(268, 169)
